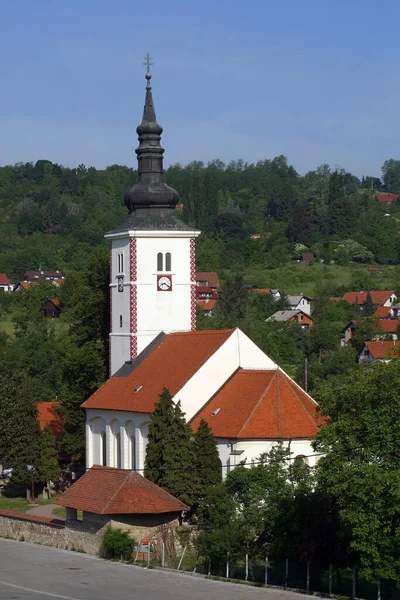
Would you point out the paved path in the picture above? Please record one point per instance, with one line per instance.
(43, 510)
(30, 572)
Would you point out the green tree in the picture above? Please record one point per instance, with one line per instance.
(361, 468)
(170, 451)
(207, 461)
(23, 447)
(369, 307)
(48, 467)
(391, 174)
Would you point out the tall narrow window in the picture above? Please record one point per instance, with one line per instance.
(168, 261)
(103, 449)
(159, 261)
(120, 262)
(133, 453)
(120, 320)
(118, 449)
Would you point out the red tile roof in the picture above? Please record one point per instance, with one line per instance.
(210, 277)
(360, 297)
(387, 198)
(59, 281)
(171, 364)
(47, 415)
(382, 312)
(382, 350)
(4, 279)
(261, 290)
(389, 325)
(55, 301)
(108, 491)
(207, 304)
(261, 405)
(25, 284)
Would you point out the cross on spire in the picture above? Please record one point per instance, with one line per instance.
(148, 62)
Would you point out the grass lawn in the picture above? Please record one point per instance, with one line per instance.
(20, 504)
(59, 512)
(296, 278)
(8, 326)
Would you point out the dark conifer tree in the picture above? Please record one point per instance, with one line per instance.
(24, 446)
(170, 450)
(369, 307)
(208, 464)
(48, 467)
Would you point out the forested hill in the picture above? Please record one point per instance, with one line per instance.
(52, 216)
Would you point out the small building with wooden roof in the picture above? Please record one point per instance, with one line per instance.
(51, 309)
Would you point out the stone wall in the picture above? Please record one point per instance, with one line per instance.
(48, 532)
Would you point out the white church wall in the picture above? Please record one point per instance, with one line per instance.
(162, 310)
(120, 304)
(113, 423)
(250, 355)
(251, 450)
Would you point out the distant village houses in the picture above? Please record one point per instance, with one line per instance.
(5, 283)
(292, 316)
(379, 351)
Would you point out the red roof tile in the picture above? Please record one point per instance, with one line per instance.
(360, 297)
(47, 415)
(261, 405)
(171, 364)
(387, 198)
(388, 325)
(207, 304)
(383, 350)
(108, 491)
(261, 290)
(210, 277)
(4, 279)
(55, 301)
(382, 312)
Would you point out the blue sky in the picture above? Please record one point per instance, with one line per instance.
(316, 80)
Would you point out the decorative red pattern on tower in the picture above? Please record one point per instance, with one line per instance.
(111, 316)
(133, 297)
(193, 284)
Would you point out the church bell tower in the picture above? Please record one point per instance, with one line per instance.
(152, 270)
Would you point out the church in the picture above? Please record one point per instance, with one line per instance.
(221, 376)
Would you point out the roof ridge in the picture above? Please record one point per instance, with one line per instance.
(297, 386)
(180, 386)
(203, 331)
(257, 404)
(310, 418)
(124, 481)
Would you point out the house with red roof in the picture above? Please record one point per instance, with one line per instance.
(379, 351)
(385, 298)
(120, 498)
(47, 415)
(5, 283)
(387, 198)
(51, 309)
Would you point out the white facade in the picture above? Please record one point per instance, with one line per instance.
(391, 300)
(140, 310)
(300, 303)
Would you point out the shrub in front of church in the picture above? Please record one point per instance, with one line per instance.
(117, 544)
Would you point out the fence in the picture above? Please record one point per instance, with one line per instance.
(289, 573)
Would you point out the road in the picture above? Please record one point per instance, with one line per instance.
(31, 572)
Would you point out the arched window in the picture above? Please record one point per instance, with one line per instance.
(103, 449)
(133, 453)
(159, 261)
(118, 450)
(168, 261)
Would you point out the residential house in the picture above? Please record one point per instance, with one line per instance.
(47, 415)
(120, 498)
(5, 283)
(385, 298)
(384, 312)
(386, 198)
(207, 299)
(384, 327)
(43, 275)
(24, 285)
(300, 302)
(395, 311)
(379, 351)
(252, 287)
(292, 316)
(207, 279)
(51, 309)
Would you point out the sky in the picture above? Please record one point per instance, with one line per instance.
(315, 80)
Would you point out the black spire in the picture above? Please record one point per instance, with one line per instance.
(150, 194)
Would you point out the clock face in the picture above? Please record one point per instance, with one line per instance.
(120, 284)
(164, 283)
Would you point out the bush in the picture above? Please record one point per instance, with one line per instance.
(117, 544)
